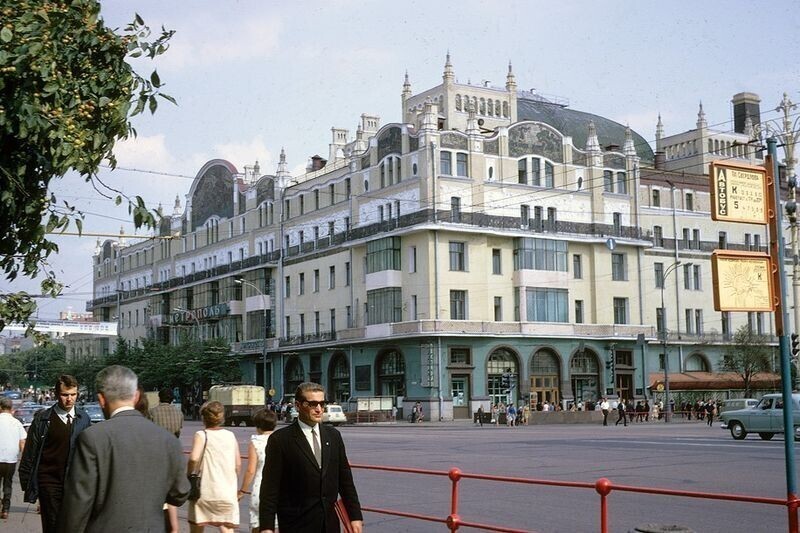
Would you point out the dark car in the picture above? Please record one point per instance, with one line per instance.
(25, 414)
(95, 412)
(14, 395)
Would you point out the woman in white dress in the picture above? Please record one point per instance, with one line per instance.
(215, 453)
(265, 421)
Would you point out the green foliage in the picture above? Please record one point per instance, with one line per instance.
(747, 356)
(37, 367)
(188, 366)
(66, 97)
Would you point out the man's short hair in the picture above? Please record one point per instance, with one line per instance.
(5, 403)
(265, 420)
(308, 386)
(66, 381)
(165, 395)
(117, 382)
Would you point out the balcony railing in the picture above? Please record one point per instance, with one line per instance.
(308, 338)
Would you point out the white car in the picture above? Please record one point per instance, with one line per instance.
(333, 414)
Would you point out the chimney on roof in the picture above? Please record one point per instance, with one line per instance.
(745, 105)
(317, 162)
(660, 159)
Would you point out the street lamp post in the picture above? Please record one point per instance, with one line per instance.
(667, 408)
(240, 281)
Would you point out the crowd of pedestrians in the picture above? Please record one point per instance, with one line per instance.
(129, 472)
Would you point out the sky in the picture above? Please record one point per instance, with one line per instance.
(253, 77)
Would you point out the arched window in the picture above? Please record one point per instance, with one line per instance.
(294, 375)
(391, 374)
(497, 108)
(696, 363)
(502, 362)
(458, 102)
(490, 107)
(339, 378)
(483, 106)
(585, 376)
(545, 378)
(505, 109)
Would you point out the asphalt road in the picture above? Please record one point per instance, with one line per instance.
(684, 456)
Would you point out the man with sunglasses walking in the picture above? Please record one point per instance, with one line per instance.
(305, 471)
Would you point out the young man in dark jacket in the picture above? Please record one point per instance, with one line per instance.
(48, 451)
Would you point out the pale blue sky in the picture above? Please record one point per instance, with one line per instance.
(251, 77)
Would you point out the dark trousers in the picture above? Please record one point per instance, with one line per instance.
(6, 474)
(622, 418)
(50, 497)
(605, 417)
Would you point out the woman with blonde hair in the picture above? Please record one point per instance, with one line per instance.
(215, 455)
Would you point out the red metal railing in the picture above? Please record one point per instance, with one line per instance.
(602, 486)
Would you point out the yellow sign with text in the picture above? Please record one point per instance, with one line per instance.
(738, 193)
(742, 281)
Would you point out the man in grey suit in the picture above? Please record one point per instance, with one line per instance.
(125, 468)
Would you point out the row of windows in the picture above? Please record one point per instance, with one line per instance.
(317, 325)
(446, 164)
(529, 172)
(692, 241)
(315, 283)
(300, 200)
(482, 106)
(620, 185)
(688, 200)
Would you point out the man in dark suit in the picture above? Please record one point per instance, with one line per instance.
(306, 469)
(125, 468)
(49, 449)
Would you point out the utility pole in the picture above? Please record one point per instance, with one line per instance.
(789, 137)
(667, 408)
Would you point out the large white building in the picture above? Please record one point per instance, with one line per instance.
(490, 233)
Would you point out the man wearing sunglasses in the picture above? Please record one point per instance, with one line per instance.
(305, 471)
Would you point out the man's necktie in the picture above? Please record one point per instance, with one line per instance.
(69, 423)
(317, 449)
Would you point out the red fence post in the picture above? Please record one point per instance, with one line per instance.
(454, 521)
(603, 488)
(792, 504)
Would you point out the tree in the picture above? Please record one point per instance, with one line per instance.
(747, 356)
(67, 95)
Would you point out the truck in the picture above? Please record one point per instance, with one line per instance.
(240, 401)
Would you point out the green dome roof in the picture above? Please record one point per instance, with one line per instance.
(576, 125)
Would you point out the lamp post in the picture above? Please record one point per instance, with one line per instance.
(668, 410)
(240, 281)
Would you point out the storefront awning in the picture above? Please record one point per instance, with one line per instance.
(689, 381)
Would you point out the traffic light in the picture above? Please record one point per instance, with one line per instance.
(795, 344)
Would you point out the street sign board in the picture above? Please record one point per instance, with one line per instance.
(742, 281)
(738, 193)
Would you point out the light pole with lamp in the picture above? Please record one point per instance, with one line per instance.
(240, 281)
(667, 408)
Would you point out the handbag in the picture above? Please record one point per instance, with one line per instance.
(195, 477)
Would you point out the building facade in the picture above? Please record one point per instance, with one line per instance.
(493, 246)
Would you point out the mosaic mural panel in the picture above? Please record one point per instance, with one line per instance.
(578, 157)
(454, 140)
(265, 189)
(491, 147)
(535, 139)
(614, 161)
(390, 142)
(212, 196)
(413, 144)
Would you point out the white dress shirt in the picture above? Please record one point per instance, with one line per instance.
(62, 414)
(306, 429)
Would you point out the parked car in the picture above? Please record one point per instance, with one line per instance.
(333, 414)
(25, 414)
(766, 418)
(737, 403)
(95, 412)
